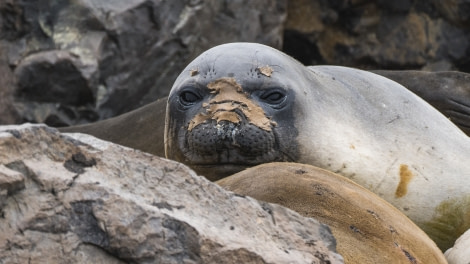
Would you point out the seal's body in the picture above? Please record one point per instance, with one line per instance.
(390, 141)
(367, 228)
(239, 105)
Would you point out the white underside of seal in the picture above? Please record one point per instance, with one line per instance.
(377, 133)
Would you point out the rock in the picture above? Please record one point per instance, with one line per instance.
(447, 91)
(74, 198)
(8, 113)
(52, 76)
(52, 88)
(460, 253)
(456, 11)
(117, 55)
(404, 34)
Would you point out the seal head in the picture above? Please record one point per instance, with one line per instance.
(231, 110)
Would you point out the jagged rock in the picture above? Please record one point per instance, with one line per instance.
(118, 54)
(76, 199)
(53, 89)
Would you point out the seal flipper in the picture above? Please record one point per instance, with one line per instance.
(140, 129)
(448, 92)
(459, 113)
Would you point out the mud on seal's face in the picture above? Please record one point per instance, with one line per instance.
(221, 125)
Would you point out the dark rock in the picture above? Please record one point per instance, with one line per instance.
(456, 11)
(52, 77)
(81, 61)
(8, 113)
(405, 34)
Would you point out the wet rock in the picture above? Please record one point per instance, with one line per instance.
(74, 198)
(52, 76)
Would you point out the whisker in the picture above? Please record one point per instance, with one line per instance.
(458, 103)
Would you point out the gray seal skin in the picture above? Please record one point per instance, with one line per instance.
(227, 112)
(141, 129)
(351, 122)
(447, 91)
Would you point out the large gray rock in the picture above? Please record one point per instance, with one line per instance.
(76, 199)
(80, 61)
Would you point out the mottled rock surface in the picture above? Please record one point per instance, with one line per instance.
(405, 34)
(81, 61)
(76, 199)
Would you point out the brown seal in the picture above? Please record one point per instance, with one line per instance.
(140, 129)
(367, 228)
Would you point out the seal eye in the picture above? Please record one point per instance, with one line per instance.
(188, 98)
(273, 97)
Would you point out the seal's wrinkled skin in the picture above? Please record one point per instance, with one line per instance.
(224, 111)
(242, 104)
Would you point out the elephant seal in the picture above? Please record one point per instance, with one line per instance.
(143, 128)
(367, 228)
(241, 104)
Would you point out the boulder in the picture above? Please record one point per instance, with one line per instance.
(76, 199)
(82, 61)
(8, 113)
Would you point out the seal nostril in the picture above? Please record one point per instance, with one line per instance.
(225, 141)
